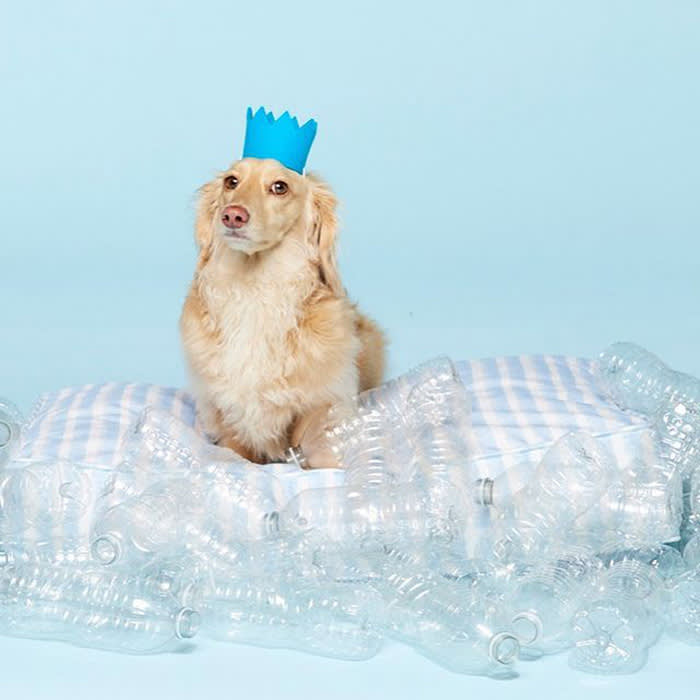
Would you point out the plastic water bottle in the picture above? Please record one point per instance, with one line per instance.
(497, 492)
(373, 437)
(152, 523)
(457, 629)
(10, 430)
(677, 428)
(60, 551)
(619, 620)
(543, 600)
(87, 582)
(650, 512)
(89, 608)
(46, 496)
(328, 620)
(691, 552)
(693, 502)
(372, 517)
(683, 616)
(207, 516)
(664, 559)
(569, 479)
(635, 378)
(161, 442)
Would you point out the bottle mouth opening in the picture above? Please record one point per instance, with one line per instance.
(271, 523)
(504, 648)
(7, 433)
(483, 492)
(187, 623)
(527, 627)
(106, 549)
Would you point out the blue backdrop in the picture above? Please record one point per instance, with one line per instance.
(515, 177)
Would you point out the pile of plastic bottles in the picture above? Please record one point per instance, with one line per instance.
(182, 538)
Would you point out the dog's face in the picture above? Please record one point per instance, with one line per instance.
(256, 203)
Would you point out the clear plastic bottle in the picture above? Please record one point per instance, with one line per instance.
(664, 559)
(683, 621)
(691, 551)
(161, 442)
(89, 608)
(371, 517)
(496, 491)
(45, 495)
(86, 582)
(374, 437)
(635, 378)
(543, 599)
(569, 479)
(206, 516)
(10, 430)
(152, 523)
(439, 417)
(60, 551)
(329, 620)
(677, 429)
(692, 488)
(649, 512)
(456, 628)
(620, 618)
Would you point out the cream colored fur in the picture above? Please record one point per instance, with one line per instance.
(268, 331)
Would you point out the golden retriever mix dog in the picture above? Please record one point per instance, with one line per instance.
(269, 333)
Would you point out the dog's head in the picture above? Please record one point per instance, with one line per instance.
(255, 204)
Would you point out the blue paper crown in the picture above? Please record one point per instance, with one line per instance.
(282, 139)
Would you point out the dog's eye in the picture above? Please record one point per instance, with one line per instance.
(279, 187)
(230, 182)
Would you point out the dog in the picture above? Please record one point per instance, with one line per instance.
(270, 336)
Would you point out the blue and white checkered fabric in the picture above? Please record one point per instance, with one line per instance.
(520, 407)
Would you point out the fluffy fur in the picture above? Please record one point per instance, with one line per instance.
(269, 333)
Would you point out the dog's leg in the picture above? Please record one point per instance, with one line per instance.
(370, 361)
(212, 421)
(232, 443)
(307, 432)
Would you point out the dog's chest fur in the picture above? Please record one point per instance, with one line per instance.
(255, 310)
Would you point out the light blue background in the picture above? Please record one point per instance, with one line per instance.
(515, 177)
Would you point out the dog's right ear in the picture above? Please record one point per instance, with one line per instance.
(203, 232)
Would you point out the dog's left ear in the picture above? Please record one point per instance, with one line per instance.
(324, 233)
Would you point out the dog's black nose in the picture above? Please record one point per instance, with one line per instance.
(235, 216)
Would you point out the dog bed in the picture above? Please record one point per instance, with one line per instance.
(520, 407)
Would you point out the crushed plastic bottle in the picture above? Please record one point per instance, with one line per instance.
(677, 427)
(160, 442)
(569, 479)
(619, 620)
(460, 630)
(386, 434)
(635, 378)
(683, 621)
(543, 600)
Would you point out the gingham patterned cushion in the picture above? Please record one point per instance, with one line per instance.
(520, 407)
